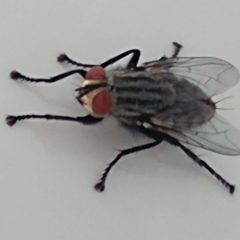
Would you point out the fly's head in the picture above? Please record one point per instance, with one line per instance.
(95, 93)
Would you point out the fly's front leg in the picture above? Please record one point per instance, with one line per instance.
(86, 120)
(16, 75)
(131, 64)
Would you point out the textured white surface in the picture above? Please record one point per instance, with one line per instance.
(47, 169)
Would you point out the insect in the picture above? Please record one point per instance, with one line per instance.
(169, 99)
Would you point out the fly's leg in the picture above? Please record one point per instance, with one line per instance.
(201, 163)
(84, 90)
(193, 156)
(100, 186)
(16, 75)
(87, 120)
(64, 58)
(131, 64)
(177, 49)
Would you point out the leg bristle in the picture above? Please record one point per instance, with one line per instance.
(15, 75)
(11, 120)
(61, 58)
(99, 187)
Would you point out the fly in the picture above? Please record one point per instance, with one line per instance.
(169, 99)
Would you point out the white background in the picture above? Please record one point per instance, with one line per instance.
(47, 169)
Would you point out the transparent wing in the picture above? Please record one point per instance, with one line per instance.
(212, 75)
(216, 135)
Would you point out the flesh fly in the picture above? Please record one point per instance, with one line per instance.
(169, 99)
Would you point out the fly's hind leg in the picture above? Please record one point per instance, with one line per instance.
(156, 135)
(230, 187)
(177, 48)
(201, 163)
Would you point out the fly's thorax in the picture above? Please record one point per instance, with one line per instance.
(135, 94)
(95, 92)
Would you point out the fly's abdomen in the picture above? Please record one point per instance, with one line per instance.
(192, 108)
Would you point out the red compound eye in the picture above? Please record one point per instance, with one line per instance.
(96, 73)
(102, 103)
